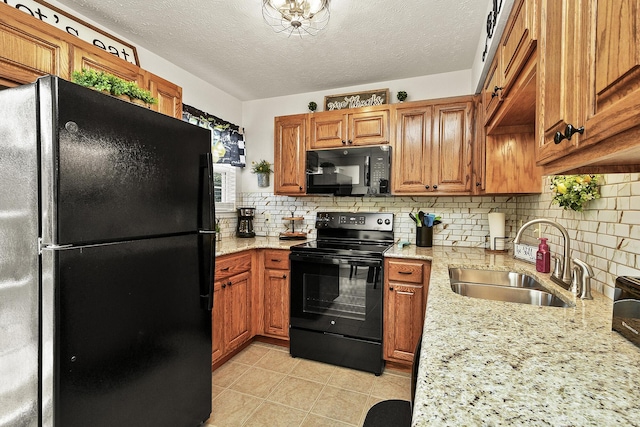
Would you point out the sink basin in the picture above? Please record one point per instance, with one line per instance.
(505, 286)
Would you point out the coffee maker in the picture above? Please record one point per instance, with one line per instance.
(245, 222)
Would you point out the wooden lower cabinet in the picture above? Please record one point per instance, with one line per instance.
(406, 289)
(276, 293)
(232, 307)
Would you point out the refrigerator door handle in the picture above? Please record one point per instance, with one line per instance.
(208, 232)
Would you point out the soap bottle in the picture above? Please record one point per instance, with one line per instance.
(543, 256)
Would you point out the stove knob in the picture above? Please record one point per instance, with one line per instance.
(380, 221)
(387, 222)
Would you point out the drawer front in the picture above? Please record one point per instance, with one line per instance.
(232, 264)
(401, 271)
(276, 259)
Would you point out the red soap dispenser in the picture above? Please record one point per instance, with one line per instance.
(543, 256)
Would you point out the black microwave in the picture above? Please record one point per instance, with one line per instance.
(350, 171)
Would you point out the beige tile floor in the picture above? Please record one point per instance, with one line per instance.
(264, 386)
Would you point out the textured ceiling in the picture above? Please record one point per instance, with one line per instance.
(227, 43)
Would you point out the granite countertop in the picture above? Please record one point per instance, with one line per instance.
(230, 245)
(491, 363)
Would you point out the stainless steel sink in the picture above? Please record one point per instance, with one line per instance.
(505, 286)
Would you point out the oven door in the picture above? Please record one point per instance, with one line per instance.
(337, 294)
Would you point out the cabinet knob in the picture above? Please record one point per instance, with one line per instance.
(426, 186)
(390, 288)
(284, 276)
(224, 286)
(478, 184)
(570, 131)
(300, 187)
(435, 187)
(344, 142)
(229, 283)
(349, 142)
(557, 138)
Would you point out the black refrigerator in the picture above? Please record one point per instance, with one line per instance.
(106, 262)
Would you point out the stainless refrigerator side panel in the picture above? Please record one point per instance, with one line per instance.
(48, 173)
(19, 279)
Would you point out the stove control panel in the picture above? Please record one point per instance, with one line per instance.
(355, 220)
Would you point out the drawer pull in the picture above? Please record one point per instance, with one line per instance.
(275, 260)
(225, 269)
(405, 293)
(405, 272)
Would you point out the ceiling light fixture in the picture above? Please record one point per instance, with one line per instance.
(302, 17)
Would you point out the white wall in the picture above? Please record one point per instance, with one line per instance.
(258, 115)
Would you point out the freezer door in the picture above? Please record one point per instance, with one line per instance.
(113, 170)
(132, 345)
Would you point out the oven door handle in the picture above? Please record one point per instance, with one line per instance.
(335, 259)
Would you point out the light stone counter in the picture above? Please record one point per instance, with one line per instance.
(491, 363)
(230, 245)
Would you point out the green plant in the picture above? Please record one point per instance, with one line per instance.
(262, 166)
(402, 95)
(118, 86)
(85, 77)
(312, 106)
(574, 191)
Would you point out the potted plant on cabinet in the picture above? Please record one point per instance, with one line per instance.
(263, 170)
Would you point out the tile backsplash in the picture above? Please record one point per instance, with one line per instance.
(606, 235)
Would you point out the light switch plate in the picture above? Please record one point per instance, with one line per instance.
(525, 252)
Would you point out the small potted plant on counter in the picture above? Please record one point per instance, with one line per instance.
(263, 170)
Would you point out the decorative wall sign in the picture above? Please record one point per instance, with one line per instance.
(492, 21)
(356, 100)
(76, 27)
(227, 139)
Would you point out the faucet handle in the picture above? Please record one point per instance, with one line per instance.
(558, 267)
(586, 273)
(576, 278)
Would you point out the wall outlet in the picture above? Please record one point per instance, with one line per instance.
(267, 216)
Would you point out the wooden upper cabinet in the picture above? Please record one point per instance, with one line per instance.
(452, 147)
(290, 134)
(518, 42)
(169, 96)
(433, 147)
(590, 81)
(364, 126)
(30, 48)
(412, 149)
(27, 53)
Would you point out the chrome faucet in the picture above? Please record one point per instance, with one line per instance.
(562, 274)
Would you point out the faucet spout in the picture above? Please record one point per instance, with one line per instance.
(566, 268)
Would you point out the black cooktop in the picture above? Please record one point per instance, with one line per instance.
(343, 247)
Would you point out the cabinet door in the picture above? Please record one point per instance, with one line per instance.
(561, 76)
(412, 150)
(169, 96)
(289, 150)
(26, 53)
(614, 87)
(276, 302)
(103, 61)
(237, 300)
(328, 130)
(369, 128)
(404, 320)
(218, 322)
(517, 43)
(492, 90)
(452, 148)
